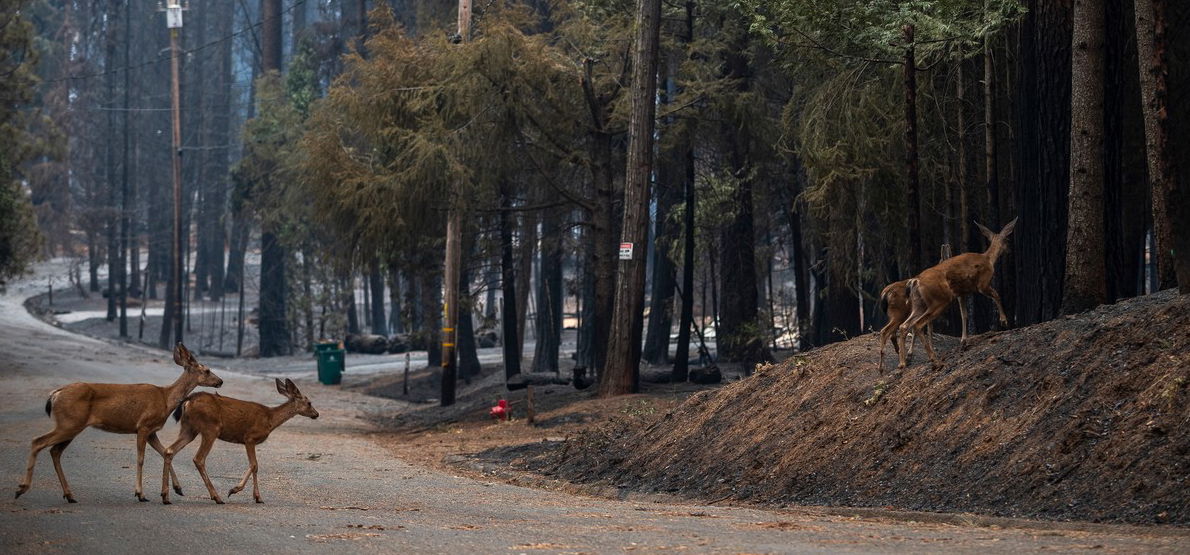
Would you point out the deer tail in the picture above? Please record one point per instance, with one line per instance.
(911, 287)
(49, 401)
(884, 296)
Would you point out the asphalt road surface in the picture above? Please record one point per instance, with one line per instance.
(328, 486)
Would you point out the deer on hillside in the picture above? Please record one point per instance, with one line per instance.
(895, 298)
(235, 421)
(934, 289)
(139, 409)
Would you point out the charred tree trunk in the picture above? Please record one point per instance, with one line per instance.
(549, 295)
(670, 180)
(1126, 205)
(1086, 283)
(740, 335)
(1044, 154)
(274, 336)
(1178, 15)
(1151, 26)
(912, 188)
(508, 318)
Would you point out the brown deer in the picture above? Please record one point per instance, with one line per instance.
(235, 421)
(934, 289)
(896, 305)
(140, 409)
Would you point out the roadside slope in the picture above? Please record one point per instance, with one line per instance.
(1080, 418)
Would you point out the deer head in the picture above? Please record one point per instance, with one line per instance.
(997, 241)
(301, 404)
(195, 369)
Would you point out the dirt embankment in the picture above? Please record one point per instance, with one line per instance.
(1080, 418)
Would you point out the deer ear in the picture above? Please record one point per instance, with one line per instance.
(985, 231)
(182, 355)
(281, 387)
(1008, 228)
(292, 388)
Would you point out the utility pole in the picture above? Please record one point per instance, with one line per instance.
(454, 232)
(173, 21)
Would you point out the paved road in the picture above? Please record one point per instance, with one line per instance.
(329, 487)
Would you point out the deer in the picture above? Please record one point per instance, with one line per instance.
(140, 409)
(895, 298)
(934, 289)
(234, 421)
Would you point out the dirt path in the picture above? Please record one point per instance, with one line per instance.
(329, 486)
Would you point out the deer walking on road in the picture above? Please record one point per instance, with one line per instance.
(933, 289)
(139, 409)
(235, 421)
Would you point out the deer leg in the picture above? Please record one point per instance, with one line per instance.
(41, 442)
(141, 439)
(963, 322)
(927, 340)
(251, 449)
(993, 295)
(200, 462)
(903, 332)
(155, 443)
(885, 333)
(184, 439)
(56, 455)
(247, 474)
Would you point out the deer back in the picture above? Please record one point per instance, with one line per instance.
(118, 408)
(234, 420)
(966, 273)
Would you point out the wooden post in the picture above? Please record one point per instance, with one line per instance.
(454, 232)
(530, 413)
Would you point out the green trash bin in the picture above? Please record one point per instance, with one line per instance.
(331, 362)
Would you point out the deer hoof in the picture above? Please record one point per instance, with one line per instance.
(178, 490)
(258, 500)
(217, 500)
(70, 499)
(165, 499)
(232, 491)
(21, 490)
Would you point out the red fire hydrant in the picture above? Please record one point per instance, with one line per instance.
(500, 411)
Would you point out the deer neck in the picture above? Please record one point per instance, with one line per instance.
(994, 251)
(281, 413)
(177, 391)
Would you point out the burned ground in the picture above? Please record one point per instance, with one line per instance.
(1082, 418)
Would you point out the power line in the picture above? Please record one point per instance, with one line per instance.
(250, 28)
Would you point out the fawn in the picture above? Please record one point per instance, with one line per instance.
(896, 305)
(235, 421)
(139, 409)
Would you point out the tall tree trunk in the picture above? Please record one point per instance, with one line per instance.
(1178, 203)
(430, 289)
(670, 181)
(1086, 282)
(549, 295)
(468, 364)
(394, 298)
(741, 336)
(274, 337)
(1154, 71)
(912, 188)
(508, 283)
(376, 280)
(603, 226)
(112, 212)
(1126, 205)
(524, 276)
(1043, 144)
(622, 372)
(681, 369)
(348, 282)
